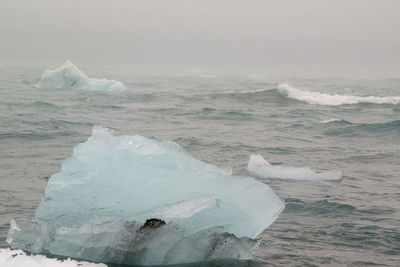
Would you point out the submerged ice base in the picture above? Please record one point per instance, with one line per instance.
(137, 200)
(259, 167)
(68, 76)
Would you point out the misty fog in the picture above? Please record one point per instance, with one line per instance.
(286, 38)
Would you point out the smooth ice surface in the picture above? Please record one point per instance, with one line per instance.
(333, 100)
(259, 167)
(18, 258)
(96, 206)
(68, 76)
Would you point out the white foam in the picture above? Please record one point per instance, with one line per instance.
(18, 258)
(259, 167)
(68, 76)
(331, 120)
(333, 100)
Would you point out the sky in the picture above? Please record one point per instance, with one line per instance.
(309, 38)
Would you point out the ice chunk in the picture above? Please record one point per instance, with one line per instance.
(68, 76)
(18, 258)
(137, 200)
(259, 167)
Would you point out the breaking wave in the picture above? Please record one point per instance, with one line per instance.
(336, 121)
(317, 98)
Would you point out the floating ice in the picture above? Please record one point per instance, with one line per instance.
(259, 167)
(18, 258)
(137, 200)
(333, 100)
(68, 76)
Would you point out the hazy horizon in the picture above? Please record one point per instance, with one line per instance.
(267, 38)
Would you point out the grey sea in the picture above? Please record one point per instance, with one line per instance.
(352, 125)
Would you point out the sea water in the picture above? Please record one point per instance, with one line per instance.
(351, 125)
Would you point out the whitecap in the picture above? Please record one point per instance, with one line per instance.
(331, 120)
(317, 98)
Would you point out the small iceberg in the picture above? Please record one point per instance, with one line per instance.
(142, 201)
(259, 167)
(68, 76)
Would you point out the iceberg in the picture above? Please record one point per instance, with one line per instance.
(259, 167)
(68, 76)
(144, 201)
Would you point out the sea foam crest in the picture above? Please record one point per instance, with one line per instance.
(68, 76)
(317, 98)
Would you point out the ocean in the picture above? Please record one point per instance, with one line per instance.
(352, 125)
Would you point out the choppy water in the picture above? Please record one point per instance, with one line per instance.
(222, 120)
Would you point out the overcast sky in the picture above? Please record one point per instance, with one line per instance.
(351, 38)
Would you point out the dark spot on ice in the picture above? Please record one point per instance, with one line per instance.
(152, 223)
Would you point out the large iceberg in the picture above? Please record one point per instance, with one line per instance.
(259, 167)
(68, 76)
(138, 200)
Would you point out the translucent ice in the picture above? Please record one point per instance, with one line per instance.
(137, 200)
(259, 167)
(68, 76)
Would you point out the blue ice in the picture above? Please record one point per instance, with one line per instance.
(136, 200)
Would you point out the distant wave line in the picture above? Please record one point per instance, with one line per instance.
(234, 92)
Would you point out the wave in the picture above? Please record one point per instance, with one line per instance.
(335, 120)
(331, 208)
(319, 207)
(233, 92)
(384, 128)
(317, 98)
